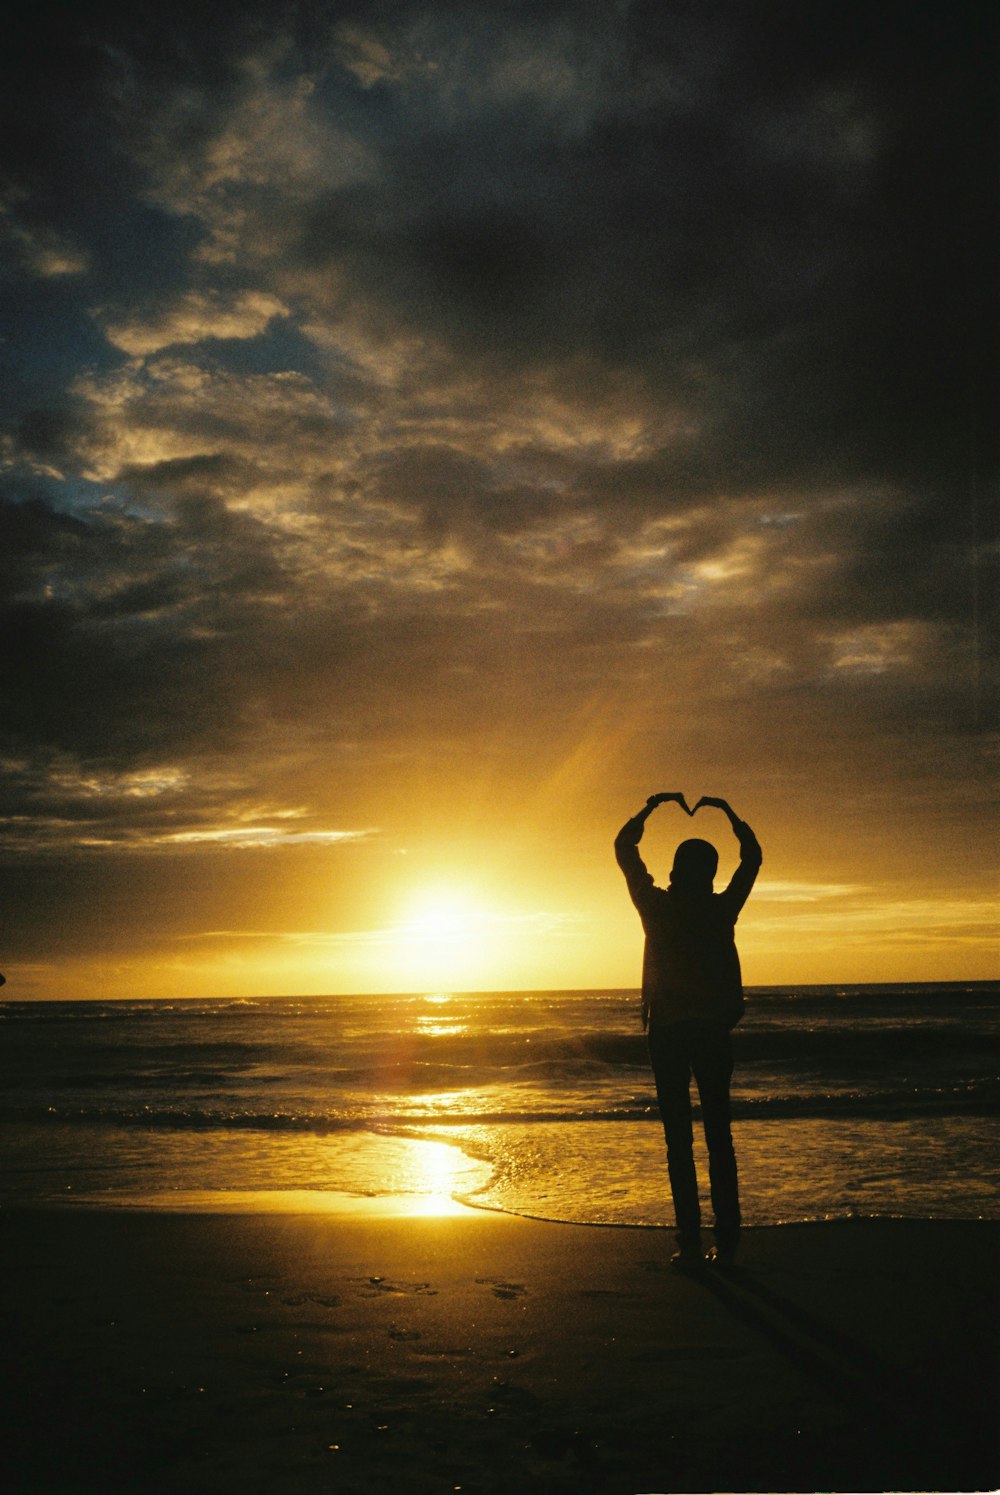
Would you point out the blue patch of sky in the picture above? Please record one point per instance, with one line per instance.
(50, 337)
(74, 496)
(137, 252)
(133, 254)
(281, 348)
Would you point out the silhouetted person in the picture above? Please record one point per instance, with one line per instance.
(692, 997)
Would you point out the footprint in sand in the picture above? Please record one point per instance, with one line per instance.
(373, 1286)
(502, 1289)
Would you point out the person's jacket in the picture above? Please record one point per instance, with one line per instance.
(690, 968)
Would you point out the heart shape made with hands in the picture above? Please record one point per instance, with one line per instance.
(678, 799)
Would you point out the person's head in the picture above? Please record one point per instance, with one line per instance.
(695, 866)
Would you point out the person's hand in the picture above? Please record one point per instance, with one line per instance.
(716, 804)
(662, 799)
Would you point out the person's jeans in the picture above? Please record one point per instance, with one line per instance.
(704, 1049)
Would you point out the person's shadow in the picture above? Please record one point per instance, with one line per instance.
(907, 1423)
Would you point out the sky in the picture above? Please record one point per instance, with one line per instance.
(430, 428)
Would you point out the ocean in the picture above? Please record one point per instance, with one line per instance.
(878, 1100)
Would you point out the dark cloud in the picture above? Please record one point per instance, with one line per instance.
(785, 247)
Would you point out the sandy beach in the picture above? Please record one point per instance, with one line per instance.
(270, 1351)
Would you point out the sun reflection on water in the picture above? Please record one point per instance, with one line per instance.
(439, 1024)
(442, 1171)
(432, 1027)
(444, 1105)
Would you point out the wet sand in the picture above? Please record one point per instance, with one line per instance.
(278, 1352)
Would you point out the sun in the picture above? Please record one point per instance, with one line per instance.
(442, 914)
(445, 936)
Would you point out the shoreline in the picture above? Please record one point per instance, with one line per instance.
(272, 1351)
(342, 1203)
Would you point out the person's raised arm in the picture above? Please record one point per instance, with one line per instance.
(751, 855)
(627, 846)
(631, 832)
